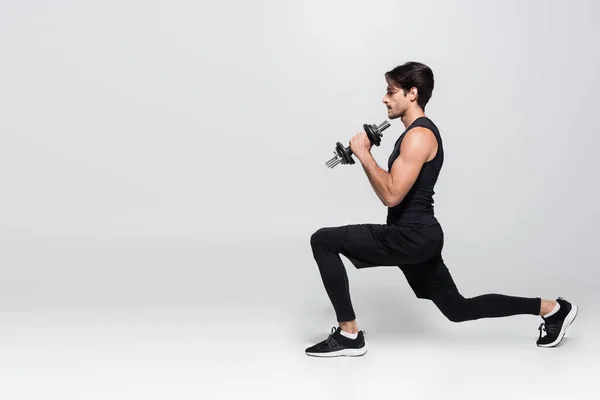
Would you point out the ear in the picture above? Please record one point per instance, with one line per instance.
(414, 92)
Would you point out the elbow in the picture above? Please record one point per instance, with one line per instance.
(392, 201)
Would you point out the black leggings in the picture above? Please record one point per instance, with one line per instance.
(417, 251)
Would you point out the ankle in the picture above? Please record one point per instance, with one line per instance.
(349, 326)
(547, 306)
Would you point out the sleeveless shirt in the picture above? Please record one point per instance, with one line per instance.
(416, 208)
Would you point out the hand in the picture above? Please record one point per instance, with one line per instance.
(360, 144)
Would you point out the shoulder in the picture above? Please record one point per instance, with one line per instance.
(419, 140)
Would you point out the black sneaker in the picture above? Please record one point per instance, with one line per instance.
(556, 325)
(338, 345)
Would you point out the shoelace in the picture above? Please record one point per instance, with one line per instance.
(330, 340)
(549, 328)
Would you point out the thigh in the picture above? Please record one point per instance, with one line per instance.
(369, 245)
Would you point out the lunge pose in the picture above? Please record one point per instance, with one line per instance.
(412, 238)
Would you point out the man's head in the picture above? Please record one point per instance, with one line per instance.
(409, 87)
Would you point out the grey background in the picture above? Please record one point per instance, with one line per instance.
(162, 169)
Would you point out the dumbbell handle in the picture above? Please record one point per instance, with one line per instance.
(373, 134)
(344, 154)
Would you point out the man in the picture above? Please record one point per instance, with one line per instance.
(412, 238)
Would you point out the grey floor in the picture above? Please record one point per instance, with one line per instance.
(169, 319)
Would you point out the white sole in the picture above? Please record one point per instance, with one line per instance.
(341, 353)
(563, 330)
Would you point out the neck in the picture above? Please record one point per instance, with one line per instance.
(411, 115)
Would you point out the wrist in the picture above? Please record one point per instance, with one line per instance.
(364, 157)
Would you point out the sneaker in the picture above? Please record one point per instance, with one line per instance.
(338, 345)
(556, 325)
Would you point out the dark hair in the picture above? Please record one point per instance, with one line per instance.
(413, 74)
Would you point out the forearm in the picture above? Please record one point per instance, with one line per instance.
(379, 178)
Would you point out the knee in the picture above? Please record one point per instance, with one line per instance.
(455, 311)
(319, 237)
(455, 316)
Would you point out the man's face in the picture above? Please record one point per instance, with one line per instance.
(396, 101)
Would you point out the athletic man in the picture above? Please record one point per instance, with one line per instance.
(412, 238)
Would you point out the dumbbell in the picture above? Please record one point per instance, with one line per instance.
(343, 154)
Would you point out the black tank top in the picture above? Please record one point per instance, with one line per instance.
(417, 206)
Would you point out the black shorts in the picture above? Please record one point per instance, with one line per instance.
(416, 250)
